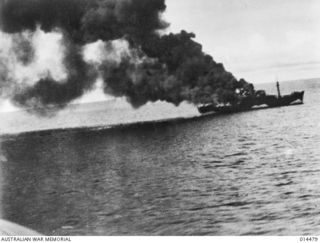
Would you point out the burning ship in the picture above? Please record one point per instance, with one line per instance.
(257, 98)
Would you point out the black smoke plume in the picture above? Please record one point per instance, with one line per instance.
(23, 47)
(48, 95)
(171, 67)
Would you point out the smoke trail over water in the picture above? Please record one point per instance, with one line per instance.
(136, 61)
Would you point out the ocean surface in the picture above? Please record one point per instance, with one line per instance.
(250, 173)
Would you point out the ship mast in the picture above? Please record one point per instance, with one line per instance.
(278, 88)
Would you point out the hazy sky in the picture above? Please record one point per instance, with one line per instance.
(258, 40)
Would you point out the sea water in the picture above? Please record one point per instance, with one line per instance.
(250, 173)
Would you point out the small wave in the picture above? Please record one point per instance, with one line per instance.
(284, 184)
(235, 204)
(216, 162)
(231, 204)
(258, 232)
(266, 217)
(238, 162)
(235, 154)
(305, 196)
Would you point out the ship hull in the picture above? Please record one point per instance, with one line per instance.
(249, 103)
(285, 100)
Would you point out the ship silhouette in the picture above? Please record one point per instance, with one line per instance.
(259, 98)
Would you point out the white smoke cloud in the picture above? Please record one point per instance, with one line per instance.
(112, 51)
(47, 58)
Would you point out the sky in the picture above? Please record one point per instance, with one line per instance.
(258, 40)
